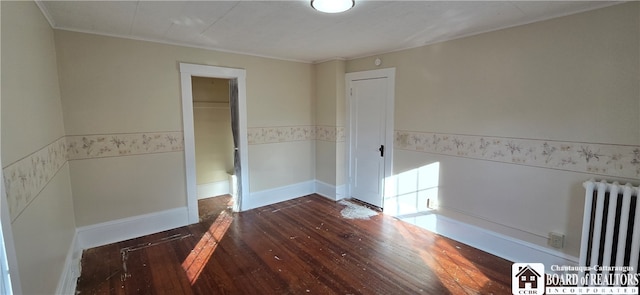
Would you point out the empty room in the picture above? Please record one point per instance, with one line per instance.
(294, 147)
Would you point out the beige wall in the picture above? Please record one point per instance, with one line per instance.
(30, 92)
(214, 144)
(572, 79)
(327, 75)
(43, 229)
(120, 86)
(146, 183)
(212, 129)
(275, 165)
(330, 114)
(210, 89)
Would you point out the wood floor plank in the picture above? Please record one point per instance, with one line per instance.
(302, 246)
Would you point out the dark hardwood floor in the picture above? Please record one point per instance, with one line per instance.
(303, 246)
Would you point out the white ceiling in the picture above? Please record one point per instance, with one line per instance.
(292, 30)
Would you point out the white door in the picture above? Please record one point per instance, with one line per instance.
(369, 137)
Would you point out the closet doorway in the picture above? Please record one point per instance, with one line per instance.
(236, 79)
(215, 171)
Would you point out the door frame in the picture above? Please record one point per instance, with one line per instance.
(390, 74)
(10, 275)
(186, 72)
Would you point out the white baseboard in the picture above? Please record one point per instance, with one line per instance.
(280, 194)
(330, 191)
(71, 270)
(131, 227)
(495, 243)
(213, 189)
(326, 190)
(341, 192)
(110, 232)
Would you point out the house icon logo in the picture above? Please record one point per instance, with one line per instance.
(527, 278)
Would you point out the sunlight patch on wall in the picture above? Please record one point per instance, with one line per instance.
(412, 191)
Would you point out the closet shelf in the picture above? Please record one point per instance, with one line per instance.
(207, 104)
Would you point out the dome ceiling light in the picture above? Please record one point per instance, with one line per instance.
(332, 6)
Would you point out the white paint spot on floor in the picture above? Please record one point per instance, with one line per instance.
(355, 211)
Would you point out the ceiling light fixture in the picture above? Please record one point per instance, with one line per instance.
(332, 6)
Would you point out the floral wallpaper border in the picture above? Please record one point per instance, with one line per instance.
(26, 178)
(602, 159)
(330, 133)
(114, 145)
(266, 135)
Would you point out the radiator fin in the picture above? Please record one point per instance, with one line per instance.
(611, 226)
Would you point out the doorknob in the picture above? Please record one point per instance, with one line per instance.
(381, 149)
